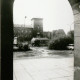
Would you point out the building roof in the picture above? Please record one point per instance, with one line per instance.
(22, 25)
(39, 39)
(37, 19)
(23, 28)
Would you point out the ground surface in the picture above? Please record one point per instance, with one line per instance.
(43, 64)
(42, 52)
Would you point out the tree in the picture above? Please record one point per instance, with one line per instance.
(59, 43)
(58, 33)
(70, 35)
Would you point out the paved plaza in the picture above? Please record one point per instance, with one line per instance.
(53, 68)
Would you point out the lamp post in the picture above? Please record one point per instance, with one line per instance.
(24, 20)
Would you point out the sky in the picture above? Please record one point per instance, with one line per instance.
(56, 14)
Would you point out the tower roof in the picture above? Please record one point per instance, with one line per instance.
(37, 19)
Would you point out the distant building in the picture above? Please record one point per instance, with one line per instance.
(29, 31)
(47, 34)
(23, 33)
(35, 30)
(37, 24)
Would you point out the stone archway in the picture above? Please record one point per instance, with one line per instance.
(7, 41)
(76, 10)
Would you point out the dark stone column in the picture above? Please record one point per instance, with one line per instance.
(0, 39)
(75, 5)
(76, 11)
(7, 40)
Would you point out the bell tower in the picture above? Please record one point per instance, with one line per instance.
(37, 24)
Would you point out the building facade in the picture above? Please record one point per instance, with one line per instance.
(37, 24)
(29, 31)
(23, 33)
(47, 34)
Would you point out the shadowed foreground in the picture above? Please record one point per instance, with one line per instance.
(43, 64)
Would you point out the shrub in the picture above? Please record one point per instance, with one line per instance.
(59, 43)
(70, 35)
(23, 46)
(37, 43)
(26, 47)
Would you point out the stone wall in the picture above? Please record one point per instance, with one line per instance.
(76, 11)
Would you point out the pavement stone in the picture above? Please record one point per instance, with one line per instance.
(43, 69)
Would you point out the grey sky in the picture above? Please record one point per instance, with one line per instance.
(56, 14)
